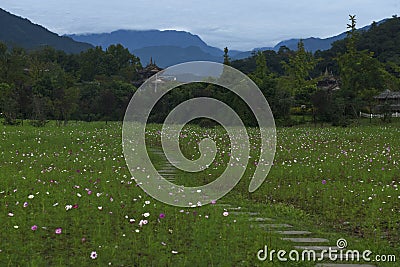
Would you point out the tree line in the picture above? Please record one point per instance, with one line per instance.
(364, 64)
(47, 84)
(98, 84)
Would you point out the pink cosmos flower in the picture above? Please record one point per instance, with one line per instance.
(58, 231)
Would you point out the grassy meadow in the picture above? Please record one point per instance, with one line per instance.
(68, 199)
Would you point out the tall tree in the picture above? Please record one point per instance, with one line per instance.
(8, 104)
(278, 98)
(227, 60)
(3, 62)
(361, 74)
(297, 79)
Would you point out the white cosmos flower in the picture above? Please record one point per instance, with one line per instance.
(93, 255)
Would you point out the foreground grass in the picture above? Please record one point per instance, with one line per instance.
(67, 198)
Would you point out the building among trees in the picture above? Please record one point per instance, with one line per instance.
(328, 82)
(388, 100)
(146, 73)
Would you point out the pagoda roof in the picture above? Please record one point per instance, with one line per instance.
(387, 94)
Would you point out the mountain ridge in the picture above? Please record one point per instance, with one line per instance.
(136, 39)
(23, 33)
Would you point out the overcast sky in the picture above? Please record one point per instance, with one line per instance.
(237, 24)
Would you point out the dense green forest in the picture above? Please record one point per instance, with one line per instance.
(97, 84)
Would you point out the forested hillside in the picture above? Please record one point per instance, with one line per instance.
(18, 32)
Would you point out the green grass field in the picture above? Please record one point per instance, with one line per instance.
(67, 198)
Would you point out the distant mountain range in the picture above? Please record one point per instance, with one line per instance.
(172, 47)
(166, 48)
(311, 44)
(133, 39)
(17, 31)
